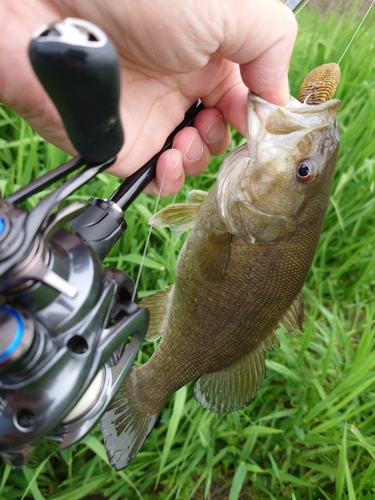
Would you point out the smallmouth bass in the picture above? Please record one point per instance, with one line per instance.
(239, 274)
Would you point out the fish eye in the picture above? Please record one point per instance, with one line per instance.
(305, 172)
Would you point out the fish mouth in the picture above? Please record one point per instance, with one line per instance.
(260, 172)
(267, 118)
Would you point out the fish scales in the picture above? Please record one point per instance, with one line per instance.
(255, 285)
(239, 273)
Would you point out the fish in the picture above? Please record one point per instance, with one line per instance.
(239, 274)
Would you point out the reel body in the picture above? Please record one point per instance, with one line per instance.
(64, 350)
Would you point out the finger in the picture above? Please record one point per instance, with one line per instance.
(170, 174)
(263, 54)
(214, 130)
(267, 75)
(232, 104)
(190, 152)
(195, 153)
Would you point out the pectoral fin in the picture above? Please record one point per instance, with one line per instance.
(293, 319)
(233, 387)
(158, 305)
(197, 196)
(178, 217)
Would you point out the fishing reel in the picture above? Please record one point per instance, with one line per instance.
(70, 329)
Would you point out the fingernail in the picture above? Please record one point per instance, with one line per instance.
(195, 149)
(177, 170)
(216, 130)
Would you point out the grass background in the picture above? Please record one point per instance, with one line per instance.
(310, 431)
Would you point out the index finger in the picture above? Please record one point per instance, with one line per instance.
(260, 38)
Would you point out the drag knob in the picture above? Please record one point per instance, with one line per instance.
(16, 336)
(78, 67)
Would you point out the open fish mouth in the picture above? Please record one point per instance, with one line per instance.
(265, 117)
(288, 128)
(257, 183)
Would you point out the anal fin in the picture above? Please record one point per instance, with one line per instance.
(232, 388)
(157, 305)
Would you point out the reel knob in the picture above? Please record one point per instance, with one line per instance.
(78, 66)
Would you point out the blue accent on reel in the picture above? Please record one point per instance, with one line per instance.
(12, 346)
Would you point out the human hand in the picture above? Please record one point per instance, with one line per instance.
(170, 55)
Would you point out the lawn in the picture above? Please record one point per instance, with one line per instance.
(310, 431)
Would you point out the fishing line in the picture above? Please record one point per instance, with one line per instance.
(148, 239)
(356, 31)
(303, 6)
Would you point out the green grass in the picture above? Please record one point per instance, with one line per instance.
(310, 431)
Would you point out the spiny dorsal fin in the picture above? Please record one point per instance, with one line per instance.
(178, 217)
(196, 196)
(233, 387)
(157, 305)
(272, 340)
(293, 319)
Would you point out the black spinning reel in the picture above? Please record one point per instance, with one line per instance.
(69, 328)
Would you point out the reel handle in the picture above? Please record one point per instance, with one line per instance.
(78, 66)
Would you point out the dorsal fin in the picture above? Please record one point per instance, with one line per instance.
(272, 340)
(233, 387)
(293, 318)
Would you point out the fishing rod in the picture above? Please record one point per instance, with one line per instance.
(294, 4)
(70, 328)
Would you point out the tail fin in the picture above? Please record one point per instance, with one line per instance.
(125, 429)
